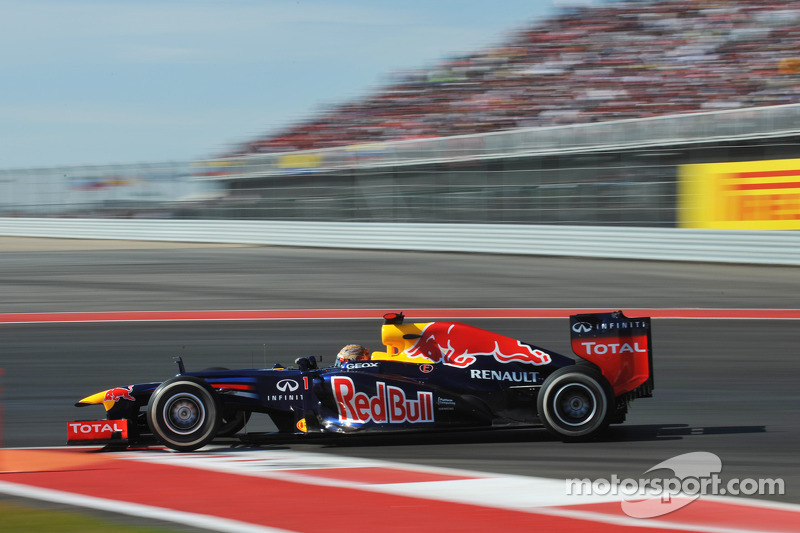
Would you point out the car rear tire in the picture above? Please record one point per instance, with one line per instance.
(575, 403)
(184, 413)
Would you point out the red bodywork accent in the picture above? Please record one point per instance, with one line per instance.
(457, 344)
(232, 386)
(619, 345)
(97, 431)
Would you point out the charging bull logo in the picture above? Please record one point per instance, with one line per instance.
(458, 345)
(119, 393)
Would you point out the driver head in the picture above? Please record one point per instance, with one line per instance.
(352, 352)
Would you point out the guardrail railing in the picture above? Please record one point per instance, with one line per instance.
(754, 247)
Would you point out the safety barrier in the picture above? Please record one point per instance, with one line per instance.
(735, 246)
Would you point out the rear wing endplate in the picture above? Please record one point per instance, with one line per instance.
(620, 346)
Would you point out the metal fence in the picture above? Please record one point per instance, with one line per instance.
(511, 193)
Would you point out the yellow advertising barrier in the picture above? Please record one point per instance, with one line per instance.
(300, 161)
(757, 195)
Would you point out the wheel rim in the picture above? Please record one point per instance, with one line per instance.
(184, 413)
(574, 404)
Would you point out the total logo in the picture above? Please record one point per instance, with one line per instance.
(390, 404)
(83, 432)
(603, 348)
(97, 427)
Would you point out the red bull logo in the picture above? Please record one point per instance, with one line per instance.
(390, 404)
(459, 345)
(119, 393)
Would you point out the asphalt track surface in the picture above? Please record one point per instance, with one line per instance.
(723, 386)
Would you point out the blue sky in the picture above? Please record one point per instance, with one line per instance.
(127, 81)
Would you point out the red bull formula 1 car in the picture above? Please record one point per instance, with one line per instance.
(432, 376)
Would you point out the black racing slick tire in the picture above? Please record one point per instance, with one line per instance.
(184, 413)
(575, 403)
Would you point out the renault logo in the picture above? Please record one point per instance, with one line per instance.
(289, 385)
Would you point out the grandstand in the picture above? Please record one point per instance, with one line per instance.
(633, 59)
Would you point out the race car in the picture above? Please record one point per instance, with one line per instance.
(431, 376)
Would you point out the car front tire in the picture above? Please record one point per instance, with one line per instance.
(184, 413)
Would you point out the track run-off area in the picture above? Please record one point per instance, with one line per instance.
(83, 318)
(220, 487)
(283, 490)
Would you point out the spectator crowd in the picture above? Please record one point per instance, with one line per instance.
(633, 59)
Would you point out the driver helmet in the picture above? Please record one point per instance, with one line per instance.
(352, 352)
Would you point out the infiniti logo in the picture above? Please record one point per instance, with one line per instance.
(581, 327)
(287, 385)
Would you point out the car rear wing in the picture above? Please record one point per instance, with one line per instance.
(620, 346)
